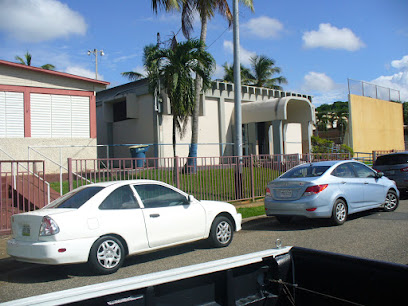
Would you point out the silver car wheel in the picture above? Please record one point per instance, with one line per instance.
(341, 211)
(109, 254)
(223, 232)
(391, 201)
(339, 214)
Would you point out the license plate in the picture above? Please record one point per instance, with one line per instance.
(26, 230)
(285, 193)
(392, 172)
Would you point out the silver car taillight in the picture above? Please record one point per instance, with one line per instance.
(268, 192)
(48, 227)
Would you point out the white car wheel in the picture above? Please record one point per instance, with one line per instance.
(107, 255)
(222, 232)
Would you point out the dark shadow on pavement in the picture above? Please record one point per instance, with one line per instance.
(300, 223)
(25, 273)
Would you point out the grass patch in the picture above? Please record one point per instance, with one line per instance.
(206, 184)
(248, 212)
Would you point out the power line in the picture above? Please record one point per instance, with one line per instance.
(218, 37)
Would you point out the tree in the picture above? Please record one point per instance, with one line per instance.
(263, 69)
(176, 67)
(132, 75)
(206, 10)
(27, 61)
(229, 74)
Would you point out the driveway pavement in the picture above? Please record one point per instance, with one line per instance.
(374, 235)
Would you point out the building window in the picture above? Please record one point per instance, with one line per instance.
(59, 116)
(119, 111)
(11, 114)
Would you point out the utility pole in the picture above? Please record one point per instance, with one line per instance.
(237, 84)
(95, 52)
(237, 107)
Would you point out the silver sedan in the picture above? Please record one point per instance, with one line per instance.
(329, 189)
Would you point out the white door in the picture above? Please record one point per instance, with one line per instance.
(293, 138)
(169, 217)
(121, 214)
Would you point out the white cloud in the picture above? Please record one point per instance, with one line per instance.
(331, 37)
(77, 70)
(125, 57)
(316, 81)
(218, 73)
(400, 64)
(39, 20)
(323, 88)
(396, 81)
(264, 27)
(244, 55)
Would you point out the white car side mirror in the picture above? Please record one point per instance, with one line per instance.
(191, 198)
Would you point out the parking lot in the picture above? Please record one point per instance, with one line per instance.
(374, 234)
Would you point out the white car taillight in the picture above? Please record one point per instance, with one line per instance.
(268, 192)
(48, 227)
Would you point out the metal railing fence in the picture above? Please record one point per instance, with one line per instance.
(227, 178)
(22, 188)
(371, 90)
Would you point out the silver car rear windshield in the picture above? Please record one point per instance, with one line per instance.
(75, 198)
(305, 171)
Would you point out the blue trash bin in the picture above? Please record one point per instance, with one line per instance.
(139, 151)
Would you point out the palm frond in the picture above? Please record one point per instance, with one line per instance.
(132, 75)
(48, 67)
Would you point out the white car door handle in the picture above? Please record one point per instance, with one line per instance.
(154, 215)
(365, 183)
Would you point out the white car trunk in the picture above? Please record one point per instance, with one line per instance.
(26, 226)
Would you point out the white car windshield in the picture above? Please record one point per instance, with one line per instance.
(75, 198)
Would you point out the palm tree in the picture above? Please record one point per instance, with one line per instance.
(48, 67)
(263, 69)
(132, 75)
(176, 67)
(27, 61)
(229, 74)
(322, 121)
(206, 10)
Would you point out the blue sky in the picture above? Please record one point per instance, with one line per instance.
(318, 44)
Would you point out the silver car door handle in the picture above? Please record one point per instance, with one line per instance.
(154, 215)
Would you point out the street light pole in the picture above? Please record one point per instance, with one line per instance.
(95, 52)
(237, 84)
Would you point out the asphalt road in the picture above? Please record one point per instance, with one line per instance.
(374, 234)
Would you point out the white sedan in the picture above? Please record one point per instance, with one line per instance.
(102, 223)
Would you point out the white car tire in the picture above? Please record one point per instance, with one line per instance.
(221, 232)
(107, 255)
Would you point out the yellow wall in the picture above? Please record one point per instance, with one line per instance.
(375, 124)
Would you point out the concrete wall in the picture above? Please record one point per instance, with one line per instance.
(208, 133)
(58, 150)
(375, 124)
(23, 77)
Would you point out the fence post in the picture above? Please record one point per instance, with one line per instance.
(374, 156)
(70, 176)
(252, 178)
(176, 170)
